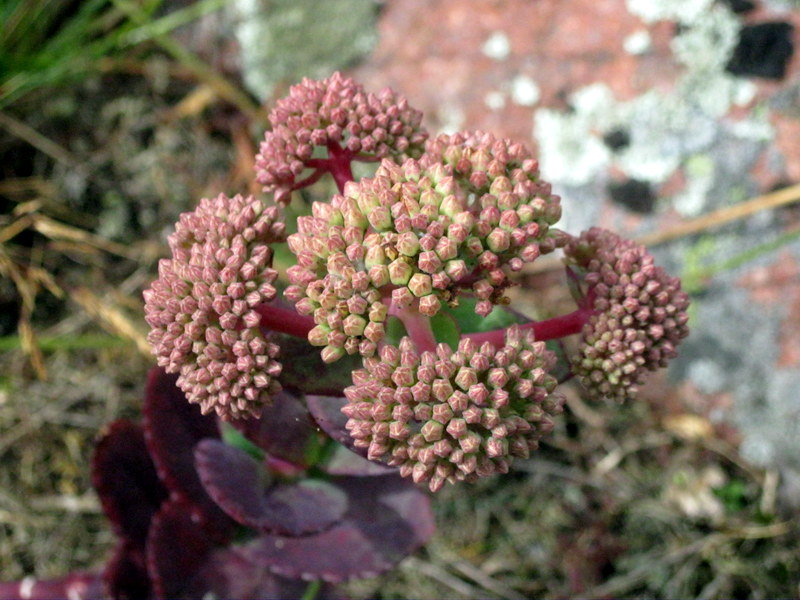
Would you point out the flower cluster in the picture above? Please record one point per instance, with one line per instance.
(201, 308)
(441, 219)
(338, 115)
(640, 313)
(450, 416)
(416, 235)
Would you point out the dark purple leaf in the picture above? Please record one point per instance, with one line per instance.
(125, 575)
(229, 574)
(387, 519)
(284, 429)
(241, 486)
(177, 549)
(344, 462)
(327, 412)
(76, 586)
(125, 479)
(173, 427)
(302, 507)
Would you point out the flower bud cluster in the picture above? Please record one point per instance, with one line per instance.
(201, 307)
(640, 313)
(418, 236)
(451, 416)
(513, 206)
(338, 111)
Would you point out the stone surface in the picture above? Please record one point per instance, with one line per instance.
(281, 41)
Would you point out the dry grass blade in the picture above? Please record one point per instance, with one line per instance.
(435, 572)
(26, 185)
(37, 140)
(203, 72)
(30, 346)
(622, 583)
(755, 532)
(611, 460)
(13, 229)
(27, 282)
(194, 103)
(474, 573)
(783, 197)
(111, 318)
(59, 231)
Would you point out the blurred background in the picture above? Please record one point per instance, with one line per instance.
(675, 122)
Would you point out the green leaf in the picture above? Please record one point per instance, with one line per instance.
(733, 495)
(395, 331)
(445, 329)
(470, 322)
(234, 437)
(562, 369)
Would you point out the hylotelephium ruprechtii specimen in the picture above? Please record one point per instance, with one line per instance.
(325, 393)
(443, 220)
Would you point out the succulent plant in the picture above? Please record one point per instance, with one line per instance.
(283, 434)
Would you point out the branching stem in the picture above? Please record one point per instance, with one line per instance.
(339, 160)
(549, 329)
(418, 327)
(284, 320)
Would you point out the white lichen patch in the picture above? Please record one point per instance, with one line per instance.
(497, 46)
(571, 151)
(323, 37)
(707, 44)
(524, 91)
(639, 42)
(494, 100)
(665, 129)
(700, 171)
(682, 11)
(744, 92)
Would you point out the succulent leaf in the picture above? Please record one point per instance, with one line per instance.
(177, 549)
(172, 428)
(327, 412)
(284, 429)
(242, 487)
(345, 462)
(125, 479)
(387, 519)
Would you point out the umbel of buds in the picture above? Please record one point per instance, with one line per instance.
(450, 416)
(380, 270)
(641, 313)
(417, 235)
(324, 125)
(201, 308)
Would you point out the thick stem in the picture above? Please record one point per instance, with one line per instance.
(418, 327)
(339, 160)
(284, 320)
(549, 329)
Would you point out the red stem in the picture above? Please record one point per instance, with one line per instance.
(313, 178)
(284, 320)
(418, 327)
(339, 165)
(549, 329)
